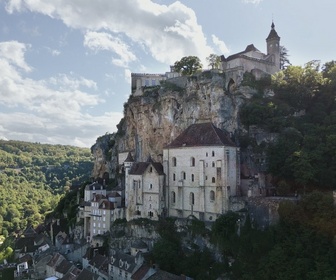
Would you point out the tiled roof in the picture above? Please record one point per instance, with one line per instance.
(64, 267)
(249, 48)
(140, 273)
(72, 274)
(139, 168)
(106, 204)
(57, 258)
(99, 261)
(203, 134)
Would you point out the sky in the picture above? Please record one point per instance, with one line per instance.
(65, 65)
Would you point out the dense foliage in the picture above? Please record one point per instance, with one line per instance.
(33, 177)
(300, 246)
(302, 112)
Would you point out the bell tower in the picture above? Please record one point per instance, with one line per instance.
(273, 47)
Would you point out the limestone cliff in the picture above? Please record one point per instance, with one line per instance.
(154, 118)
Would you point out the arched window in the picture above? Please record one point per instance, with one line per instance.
(213, 153)
(212, 195)
(174, 161)
(213, 180)
(192, 198)
(192, 177)
(173, 197)
(213, 164)
(192, 161)
(150, 186)
(183, 175)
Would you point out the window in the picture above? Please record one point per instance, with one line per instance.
(173, 197)
(146, 82)
(150, 198)
(192, 198)
(213, 153)
(174, 161)
(192, 161)
(213, 180)
(213, 164)
(183, 175)
(150, 169)
(150, 186)
(174, 177)
(104, 225)
(212, 195)
(192, 177)
(206, 154)
(153, 82)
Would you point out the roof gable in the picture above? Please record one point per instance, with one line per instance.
(139, 168)
(204, 134)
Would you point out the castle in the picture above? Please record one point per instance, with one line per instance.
(234, 66)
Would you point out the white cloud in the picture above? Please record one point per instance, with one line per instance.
(98, 41)
(13, 53)
(220, 45)
(127, 74)
(51, 110)
(169, 32)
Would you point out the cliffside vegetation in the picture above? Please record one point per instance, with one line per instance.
(300, 246)
(302, 110)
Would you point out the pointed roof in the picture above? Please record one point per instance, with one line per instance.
(139, 168)
(203, 134)
(129, 158)
(273, 34)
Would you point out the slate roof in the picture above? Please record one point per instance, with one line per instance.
(249, 48)
(26, 244)
(273, 33)
(164, 275)
(139, 168)
(129, 158)
(87, 275)
(200, 135)
(123, 261)
(94, 186)
(139, 244)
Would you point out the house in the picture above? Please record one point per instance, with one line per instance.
(144, 193)
(202, 169)
(122, 266)
(99, 265)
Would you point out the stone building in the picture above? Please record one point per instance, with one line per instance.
(202, 173)
(144, 193)
(254, 61)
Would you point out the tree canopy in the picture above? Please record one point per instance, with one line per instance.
(188, 65)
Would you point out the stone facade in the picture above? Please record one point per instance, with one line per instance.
(200, 173)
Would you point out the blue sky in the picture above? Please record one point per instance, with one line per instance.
(65, 65)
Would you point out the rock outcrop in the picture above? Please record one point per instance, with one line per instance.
(153, 119)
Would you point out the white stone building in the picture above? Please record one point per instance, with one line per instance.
(144, 193)
(202, 171)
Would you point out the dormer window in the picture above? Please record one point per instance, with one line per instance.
(121, 263)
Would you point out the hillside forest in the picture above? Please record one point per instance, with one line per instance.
(33, 178)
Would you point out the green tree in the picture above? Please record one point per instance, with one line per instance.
(284, 61)
(214, 61)
(188, 65)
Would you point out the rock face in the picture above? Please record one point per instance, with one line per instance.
(160, 114)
